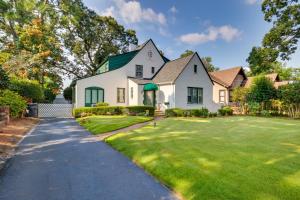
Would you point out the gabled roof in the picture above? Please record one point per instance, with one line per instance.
(117, 61)
(227, 76)
(274, 77)
(140, 81)
(171, 70)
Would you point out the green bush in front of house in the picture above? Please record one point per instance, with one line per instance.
(139, 110)
(225, 111)
(16, 103)
(100, 104)
(113, 110)
(178, 112)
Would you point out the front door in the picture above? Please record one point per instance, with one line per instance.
(149, 98)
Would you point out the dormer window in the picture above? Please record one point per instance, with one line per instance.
(152, 70)
(150, 54)
(195, 69)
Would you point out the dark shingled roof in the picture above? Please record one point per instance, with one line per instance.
(226, 77)
(171, 70)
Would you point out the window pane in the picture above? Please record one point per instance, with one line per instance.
(200, 95)
(87, 96)
(139, 71)
(121, 95)
(94, 96)
(100, 96)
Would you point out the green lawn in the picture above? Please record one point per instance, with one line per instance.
(103, 124)
(220, 158)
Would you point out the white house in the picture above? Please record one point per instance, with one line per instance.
(145, 77)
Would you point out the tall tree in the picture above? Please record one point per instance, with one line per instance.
(285, 33)
(90, 38)
(210, 67)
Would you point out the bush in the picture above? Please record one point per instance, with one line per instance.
(104, 110)
(178, 112)
(254, 108)
(100, 104)
(135, 110)
(4, 79)
(49, 95)
(174, 112)
(30, 90)
(212, 114)
(265, 113)
(68, 93)
(15, 102)
(113, 110)
(225, 111)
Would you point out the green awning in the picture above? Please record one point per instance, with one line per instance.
(150, 86)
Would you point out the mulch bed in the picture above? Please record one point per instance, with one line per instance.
(11, 134)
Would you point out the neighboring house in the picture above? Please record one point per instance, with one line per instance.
(225, 81)
(274, 77)
(145, 77)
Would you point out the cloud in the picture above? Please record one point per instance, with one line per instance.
(109, 12)
(226, 32)
(133, 12)
(173, 10)
(252, 2)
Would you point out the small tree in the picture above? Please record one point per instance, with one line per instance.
(290, 96)
(68, 93)
(4, 80)
(239, 95)
(262, 91)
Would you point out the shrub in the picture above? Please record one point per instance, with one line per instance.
(203, 112)
(290, 97)
(212, 114)
(174, 112)
(15, 102)
(104, 110)
(100, 104)
(49, 95)
(225, 111)
(135, 110)
(265, 113)
(254, 108)
(4, 79)
(30, 90)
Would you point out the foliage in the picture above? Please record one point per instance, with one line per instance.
(178, 112)
(290, 96)
(49, 95)
(91, 38)
(187, 53)
(103, 124)
(135, 110)
(210, 67)
(225, 111)
(100, 104)
(261, 59)
(104, 110)
(4, 79)
(239, 95)
(30, 90)
(261, 91)
(284, 72)
(15, 102)
(68, 93)
(285, 33)
(254, 108)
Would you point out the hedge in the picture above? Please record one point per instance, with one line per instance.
(178, 112)
(16, 103)
(225, 111)
(113, 110)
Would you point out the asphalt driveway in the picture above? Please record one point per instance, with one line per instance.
(60, 160)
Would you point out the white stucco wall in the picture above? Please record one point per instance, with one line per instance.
(190, 79)
(217, 87)
(112, 80)
(166, 93)
(132, 100)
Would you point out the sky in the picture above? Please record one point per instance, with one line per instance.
(225, 30)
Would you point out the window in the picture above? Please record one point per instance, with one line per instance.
(139, 71)
(195, 69)
(93, 95)
(222, 96)
(121, 95)
(131, 92)
(195, 95)
(150, 54)
(152, 70)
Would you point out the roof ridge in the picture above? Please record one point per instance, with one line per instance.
(180, 58)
